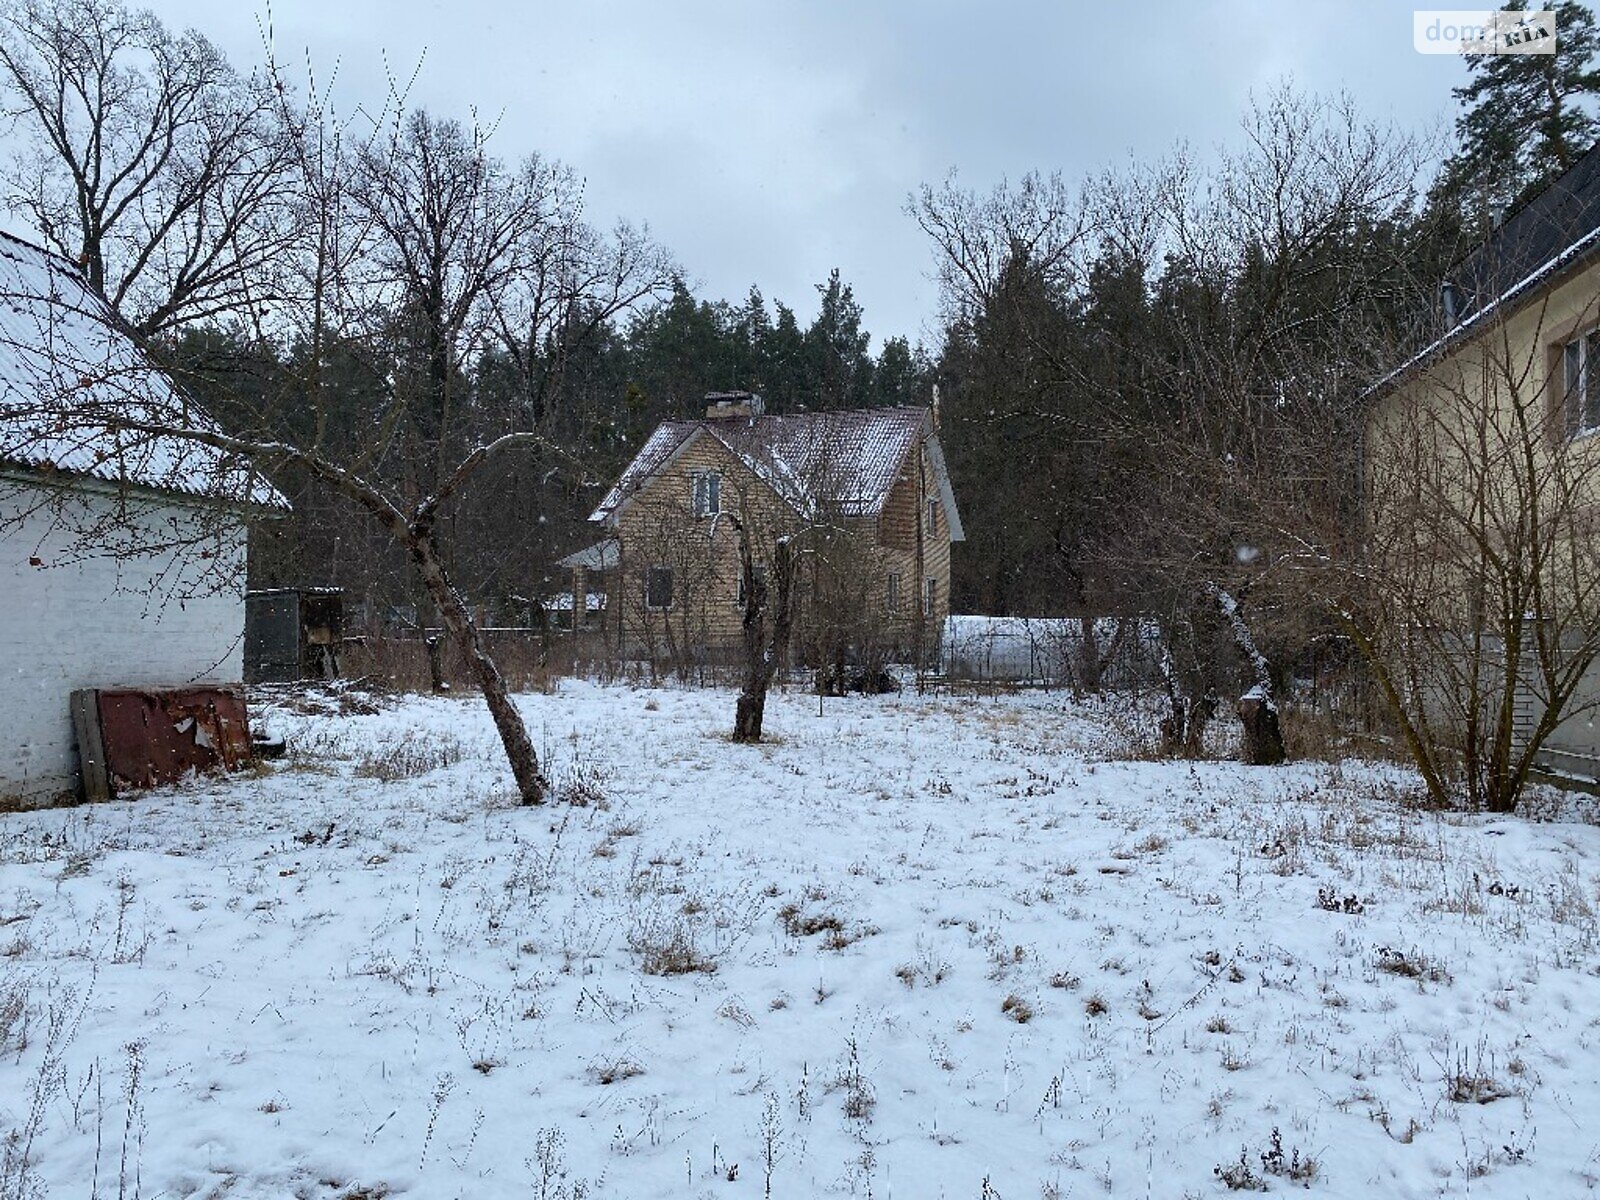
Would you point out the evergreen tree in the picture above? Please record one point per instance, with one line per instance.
(901, 375)
(1525, 118)
(784, 362)
(836, 349)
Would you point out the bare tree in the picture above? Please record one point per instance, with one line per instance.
(1476, 602)
(676, 585)
(149, 160)
(978, 239)
(393, 240)
(767, 622)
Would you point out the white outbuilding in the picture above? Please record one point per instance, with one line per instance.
(122, 546)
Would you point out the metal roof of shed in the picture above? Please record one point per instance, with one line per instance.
(71, 373)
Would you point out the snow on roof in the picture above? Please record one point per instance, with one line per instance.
(851, 458)
(601, 556)
(1557, 230)
(1525, 288)
(69, 370)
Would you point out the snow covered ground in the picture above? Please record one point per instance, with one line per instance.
(942, 947)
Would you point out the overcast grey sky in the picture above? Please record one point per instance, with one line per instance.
(769, 143)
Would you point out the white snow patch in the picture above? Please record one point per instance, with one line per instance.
(946, 941)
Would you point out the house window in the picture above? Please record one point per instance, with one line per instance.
(658, 588)
(707, 493)
(933, 515)
(761, 578)
(892, 600)
(1580, 361)
(930, 596)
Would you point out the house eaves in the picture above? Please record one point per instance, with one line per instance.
(1515, 298)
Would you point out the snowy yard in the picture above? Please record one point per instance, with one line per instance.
(913, 948)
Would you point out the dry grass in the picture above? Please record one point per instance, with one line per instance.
(528, 663)
(674, 953)
(410, 756)
(1412, 964)
(1018, 1009)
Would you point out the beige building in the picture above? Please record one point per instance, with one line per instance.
(863, 495)
(1482, 470)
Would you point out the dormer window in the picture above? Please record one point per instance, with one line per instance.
(1580, 364)
(707, 493)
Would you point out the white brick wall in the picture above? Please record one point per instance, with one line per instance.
(100, 622)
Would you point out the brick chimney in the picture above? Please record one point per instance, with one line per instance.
(725, 406)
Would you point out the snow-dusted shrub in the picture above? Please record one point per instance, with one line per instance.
(859, 1097)
(1243, 1176)
(1470, 1077)
(1412, 964)
(1018, 1009)
(666, 944)
(582, 781)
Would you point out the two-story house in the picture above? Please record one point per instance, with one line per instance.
(1482, 477)
(864, 495)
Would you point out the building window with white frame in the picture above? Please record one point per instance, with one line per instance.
(891, 600)
(707, 493)
(933, 514)
(1580, 368)
(930, 596)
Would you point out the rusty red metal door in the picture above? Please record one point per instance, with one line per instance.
(158, 735)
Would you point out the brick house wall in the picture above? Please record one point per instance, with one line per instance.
(659, 529)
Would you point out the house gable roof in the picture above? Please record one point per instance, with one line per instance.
(851, 458)
(69, 368)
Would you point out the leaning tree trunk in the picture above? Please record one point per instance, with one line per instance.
(531, 783)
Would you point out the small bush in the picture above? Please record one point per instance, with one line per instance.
(798, 923)
(615, 1071)
(1018, 1009)
(1242, 1176)
(668, 948)
(1412, 965)
(859, 1099)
